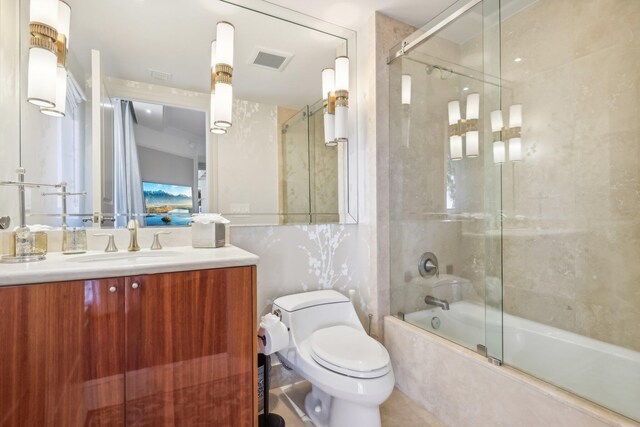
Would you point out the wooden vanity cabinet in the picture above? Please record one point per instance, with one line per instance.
(173, 349)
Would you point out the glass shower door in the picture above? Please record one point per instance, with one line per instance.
(445, 196)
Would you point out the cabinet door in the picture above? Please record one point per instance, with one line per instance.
(190, 346)
(61, 361)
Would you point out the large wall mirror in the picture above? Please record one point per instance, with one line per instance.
(136, 139)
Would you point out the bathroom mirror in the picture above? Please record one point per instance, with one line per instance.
(135, 137)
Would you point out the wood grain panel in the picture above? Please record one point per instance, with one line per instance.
(60, 365)
(190, 349)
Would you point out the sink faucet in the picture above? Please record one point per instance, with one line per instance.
(132, 226)
(431, 300)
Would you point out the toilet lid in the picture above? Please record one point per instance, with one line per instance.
(350, 352)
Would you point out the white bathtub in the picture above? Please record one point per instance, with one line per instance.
(603, 373)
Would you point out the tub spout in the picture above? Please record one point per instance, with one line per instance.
(431, 300)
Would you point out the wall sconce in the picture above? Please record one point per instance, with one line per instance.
(329, 102)
(43, 60)
(342, 99)
(223, 106)
(406, 89)
(512, 134)
(212, 127)
(335, 96)
(62, 47)
(467, 127)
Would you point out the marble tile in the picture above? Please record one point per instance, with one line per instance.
(460, 387)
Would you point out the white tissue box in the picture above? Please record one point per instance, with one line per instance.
(211, 235)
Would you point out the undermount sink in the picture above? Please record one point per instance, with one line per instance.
(122, 256)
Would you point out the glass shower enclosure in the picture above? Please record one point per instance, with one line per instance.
(515, 168)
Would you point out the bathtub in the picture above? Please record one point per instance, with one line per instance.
(603, 373)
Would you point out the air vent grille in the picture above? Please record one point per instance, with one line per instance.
(270, 59)
(160, 75)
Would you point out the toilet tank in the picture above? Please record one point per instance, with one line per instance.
(306, 312)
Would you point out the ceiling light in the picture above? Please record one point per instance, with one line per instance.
(148, 111)
(518, 59)
(465, 88)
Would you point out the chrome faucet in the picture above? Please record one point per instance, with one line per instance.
(431, 300)
(132, 226)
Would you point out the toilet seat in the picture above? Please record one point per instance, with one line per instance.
(349, 352)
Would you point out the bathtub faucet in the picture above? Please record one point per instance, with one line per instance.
(431, 300)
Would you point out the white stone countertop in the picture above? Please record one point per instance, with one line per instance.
(98, 264)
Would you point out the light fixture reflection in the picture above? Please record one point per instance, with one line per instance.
(406, 89)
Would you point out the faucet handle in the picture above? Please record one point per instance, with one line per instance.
(111, 245)
(428, 265)
(156, 246)
(133, 224)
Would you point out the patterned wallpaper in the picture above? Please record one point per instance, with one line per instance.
(298, 258)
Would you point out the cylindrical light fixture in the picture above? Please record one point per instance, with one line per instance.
(515, 149)
(498, 152)
(64, 23)
(329, 103)
(472, 135)
(223, 105)
(222, 116)
(342, 73)
(330, 130)
(44, 12)
(406, 89)
(455, 147)
(473, 143)
(515, 116)
(212, 127)
(342, 99)
(62, 45)
(60, 109)
(473, 106)
(225, 34)
(496, 121)
(43, 62)
(454, 112)
(328, 83)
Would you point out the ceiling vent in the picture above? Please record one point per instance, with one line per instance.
(160, 75)
(271, 59)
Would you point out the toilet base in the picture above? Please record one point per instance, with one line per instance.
(327, 411)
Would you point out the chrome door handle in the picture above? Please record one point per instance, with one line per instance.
(135, 285)
(113, 289)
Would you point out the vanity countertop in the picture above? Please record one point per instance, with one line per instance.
(98, 264)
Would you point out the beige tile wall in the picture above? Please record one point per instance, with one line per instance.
(572, 234)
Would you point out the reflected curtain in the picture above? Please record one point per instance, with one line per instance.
(128, 195)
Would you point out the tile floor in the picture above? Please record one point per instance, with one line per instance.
(397, 411)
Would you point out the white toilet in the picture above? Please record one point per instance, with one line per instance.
(349, 371)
